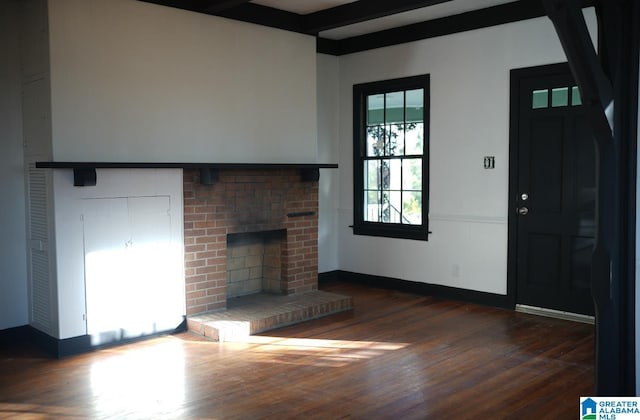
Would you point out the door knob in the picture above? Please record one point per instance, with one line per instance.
(522, 211)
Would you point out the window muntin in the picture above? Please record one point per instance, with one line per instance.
(391, 126)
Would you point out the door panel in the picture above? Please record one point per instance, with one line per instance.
(556, 186)
(544, 261)
(106, 241)
(545, 165)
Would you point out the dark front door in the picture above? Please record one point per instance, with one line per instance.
(555, 202)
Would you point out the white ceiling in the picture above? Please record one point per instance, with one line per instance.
(302, 7)
(436, 11)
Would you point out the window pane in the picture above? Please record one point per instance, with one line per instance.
(395, 174)
(560, 96)
(385, 173)
(372, 206)
(375, 109)
(540, 98)
(414, 141)
(375, 140)
(415, 105)
(394, 107)
(412, 207)
(576, 99)
(395, 140)
(371, 175)
(392, 205)
(412, 174)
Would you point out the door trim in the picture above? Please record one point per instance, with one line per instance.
(516, 77)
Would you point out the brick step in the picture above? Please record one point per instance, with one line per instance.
(262, 312)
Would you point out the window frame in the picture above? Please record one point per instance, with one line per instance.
(360, 93)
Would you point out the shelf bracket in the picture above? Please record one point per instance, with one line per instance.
(208, 176)
(310, 174)
(84, 177)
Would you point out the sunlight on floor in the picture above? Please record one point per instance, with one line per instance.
(150, 380)
(147, 382)
(306, 351)
(324, 343)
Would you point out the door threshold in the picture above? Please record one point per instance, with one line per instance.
(552, 313)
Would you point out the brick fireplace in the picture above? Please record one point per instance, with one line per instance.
(250, 203)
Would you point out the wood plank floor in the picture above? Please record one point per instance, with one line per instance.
(395, 356)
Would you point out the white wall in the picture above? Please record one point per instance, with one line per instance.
(469, 119)
(71, 209)
(134, 81)
(13, 265)
(328, 123)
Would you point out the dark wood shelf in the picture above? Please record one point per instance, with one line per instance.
(84, 173)
(184, 165)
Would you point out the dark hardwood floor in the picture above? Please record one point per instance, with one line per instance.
(395, 355)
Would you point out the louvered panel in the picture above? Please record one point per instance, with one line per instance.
(38, 203)
(39, 234)
(40, 291)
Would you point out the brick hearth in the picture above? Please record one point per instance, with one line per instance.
(257, 313)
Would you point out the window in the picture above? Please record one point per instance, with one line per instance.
(391, 143)
(559, 97)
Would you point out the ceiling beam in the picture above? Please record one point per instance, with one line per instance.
(475, 19)
(217, 6)
(263, 15)
(467, 21)
(359, 11)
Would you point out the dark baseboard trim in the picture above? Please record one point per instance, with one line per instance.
(20, 334)
(329, 277)
(435, 290)
(61, 348)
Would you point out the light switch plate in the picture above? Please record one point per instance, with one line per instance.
(489, 162)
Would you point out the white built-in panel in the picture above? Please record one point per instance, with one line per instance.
(34, 39)
(14, 306)
(134, 81)
(119, 258)
(329, 184)
(36, 119)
